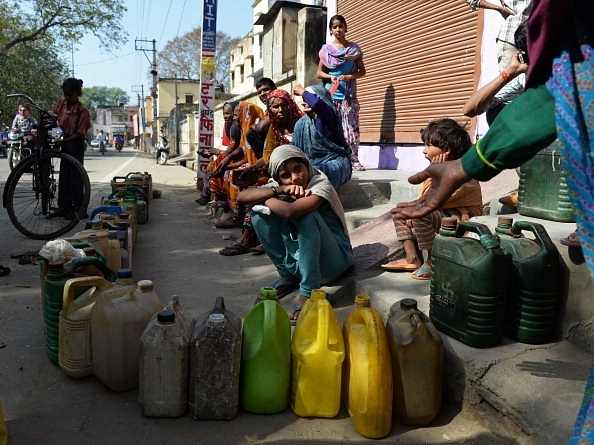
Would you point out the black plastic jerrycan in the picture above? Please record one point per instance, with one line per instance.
(533, 281)
(468, 284)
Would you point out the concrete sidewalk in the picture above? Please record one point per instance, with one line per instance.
(538, 387)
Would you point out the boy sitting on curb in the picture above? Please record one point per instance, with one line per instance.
(445, 140)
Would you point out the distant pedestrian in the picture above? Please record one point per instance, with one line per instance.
(341, 64)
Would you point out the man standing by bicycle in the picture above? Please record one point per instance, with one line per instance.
(75, 120)
(102, 138)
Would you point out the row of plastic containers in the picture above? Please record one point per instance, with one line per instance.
(257, 365)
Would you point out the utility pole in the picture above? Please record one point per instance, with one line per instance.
(153, 89)
(140, 117)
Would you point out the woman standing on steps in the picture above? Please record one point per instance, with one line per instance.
(341, 64)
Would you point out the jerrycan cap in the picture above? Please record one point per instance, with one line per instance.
(505, 220)
(124, 273)
(408, 304)
(124, 216)
(318, 294)
(449, 222)
(166, 316)
(56, 266)
(267, 293)
(214, 319)
(362, 300)
(144, 286)
(89, 251)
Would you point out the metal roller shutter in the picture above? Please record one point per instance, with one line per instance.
(420, 61)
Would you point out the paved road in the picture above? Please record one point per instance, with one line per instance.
(178, 250)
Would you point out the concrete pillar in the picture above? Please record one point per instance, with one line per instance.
(312, 31)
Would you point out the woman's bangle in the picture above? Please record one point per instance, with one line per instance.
(505, 76)
(275, 192)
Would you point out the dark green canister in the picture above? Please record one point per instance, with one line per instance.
(533, 281)
(468, 283)
(542, 191)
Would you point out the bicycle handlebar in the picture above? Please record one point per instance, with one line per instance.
(31, 102)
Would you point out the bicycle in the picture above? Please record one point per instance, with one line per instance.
(32, 188)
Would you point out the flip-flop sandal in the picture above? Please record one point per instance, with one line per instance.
(296, 310)
(234, 249)
(227, 224)
(4, 271)
(400, 265)
(572, 240)
(284, 286)
(422, 273)
(257, 250)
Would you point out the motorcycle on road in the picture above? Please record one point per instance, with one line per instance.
(19, 146)
(161, 151)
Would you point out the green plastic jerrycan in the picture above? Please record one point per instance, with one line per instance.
(468, 284)
(542, 190)
(533, 283)
(265, 359)
(53, 278)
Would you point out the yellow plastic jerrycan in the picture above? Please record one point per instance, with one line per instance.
(74, 352)
(417, 363)
(367, 371)
(317, 351)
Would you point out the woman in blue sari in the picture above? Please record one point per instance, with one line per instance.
(319, 134)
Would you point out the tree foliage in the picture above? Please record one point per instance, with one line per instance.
(34, 33)
(106, 96)
(34, 69)
(61, 21)
(181, 56)
(103, 96)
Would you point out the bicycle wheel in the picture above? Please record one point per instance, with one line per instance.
(30, 197)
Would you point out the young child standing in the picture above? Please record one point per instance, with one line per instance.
(445, 140)
(341, 64)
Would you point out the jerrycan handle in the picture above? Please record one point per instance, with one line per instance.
(173, 303)
(486, 238)
(72, 284)
(77, 263)
(416, 321)
(540, 233)
(219, 307)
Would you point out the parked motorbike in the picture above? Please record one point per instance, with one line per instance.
(4, 140)
(19, 146)
(161, 151)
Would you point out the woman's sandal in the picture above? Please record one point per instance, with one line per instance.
(284, 286)
(227, 224)
(422, 273)
(294, 315)
(572, 240)
(357, 166)
(234, 249)
(4, 271)
(257, 250)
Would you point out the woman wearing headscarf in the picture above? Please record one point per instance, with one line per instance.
(220, 153)
(301, 225)
(320, 136)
